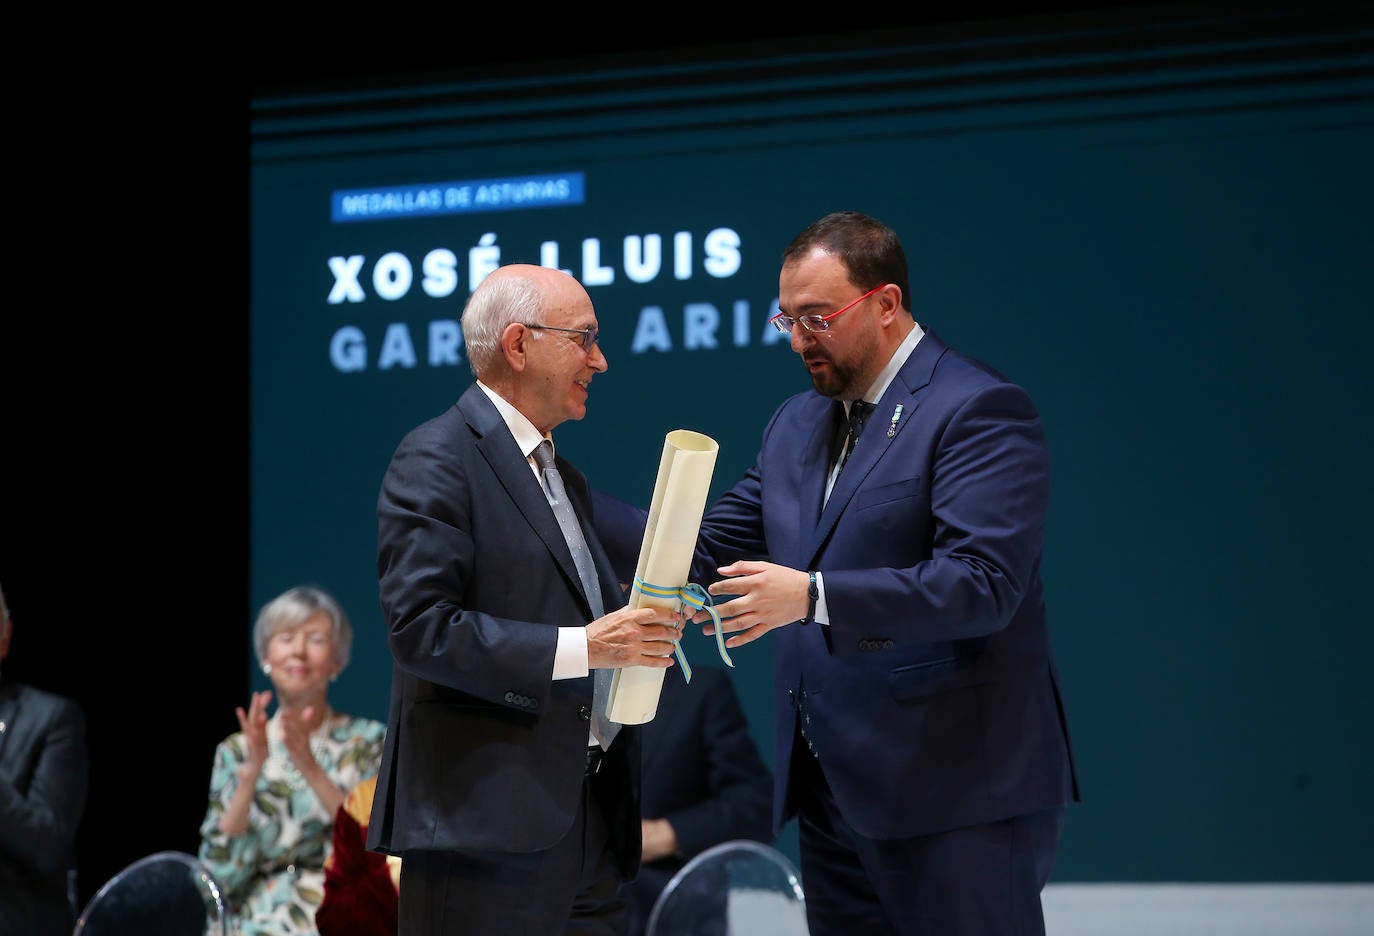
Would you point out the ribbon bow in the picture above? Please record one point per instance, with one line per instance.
(694, 596)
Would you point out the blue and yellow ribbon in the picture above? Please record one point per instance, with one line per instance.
(694, 596)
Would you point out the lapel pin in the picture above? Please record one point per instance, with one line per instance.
(892, 427)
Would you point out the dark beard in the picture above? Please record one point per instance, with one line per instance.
(834, 383)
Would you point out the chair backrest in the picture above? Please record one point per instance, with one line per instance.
(736, 888)
(169, 893)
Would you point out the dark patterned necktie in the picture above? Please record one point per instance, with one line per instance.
(858, 414)
(604, 729)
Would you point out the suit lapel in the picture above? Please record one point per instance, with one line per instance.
(815, 465)
(512, 471)
(579, 492)
(879, 433)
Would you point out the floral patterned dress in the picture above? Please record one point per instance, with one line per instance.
(273, 874)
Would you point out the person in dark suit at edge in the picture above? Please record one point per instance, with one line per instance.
(44, 775)
(512, 809)
(920, 736)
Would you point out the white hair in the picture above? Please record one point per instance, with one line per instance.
(292, 607)
(495, 303)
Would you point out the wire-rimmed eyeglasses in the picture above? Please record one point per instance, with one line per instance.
(586, 337)
(816, 323)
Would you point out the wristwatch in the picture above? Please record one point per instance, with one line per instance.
(813, 593)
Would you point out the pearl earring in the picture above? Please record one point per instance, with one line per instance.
(267, 669)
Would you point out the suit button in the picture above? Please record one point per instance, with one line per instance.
(584, 712)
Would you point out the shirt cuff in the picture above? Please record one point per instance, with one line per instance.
(570, 656)
(822, 613)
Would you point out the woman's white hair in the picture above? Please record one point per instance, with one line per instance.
(291, 608)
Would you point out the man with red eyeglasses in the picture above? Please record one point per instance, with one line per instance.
(920, 739)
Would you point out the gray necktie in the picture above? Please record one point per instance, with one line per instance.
(604, 729)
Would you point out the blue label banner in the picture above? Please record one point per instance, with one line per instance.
(449, 198)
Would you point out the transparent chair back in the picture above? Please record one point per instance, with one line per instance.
(736, 888)
(169, 893)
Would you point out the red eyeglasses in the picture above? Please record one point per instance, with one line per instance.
(816, 323)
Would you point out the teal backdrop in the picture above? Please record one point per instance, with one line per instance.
(1163, 233)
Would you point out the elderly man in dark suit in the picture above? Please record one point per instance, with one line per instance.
(44, 772)
(513, 809)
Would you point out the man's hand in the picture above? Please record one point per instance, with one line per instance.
(633, 637)
(659, 839)
(769, 596)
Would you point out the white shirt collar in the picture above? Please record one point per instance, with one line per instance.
(894, 364)
(526, 436)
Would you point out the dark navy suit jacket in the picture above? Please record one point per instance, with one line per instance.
(933, 695)
(44, 775)
(484, 750)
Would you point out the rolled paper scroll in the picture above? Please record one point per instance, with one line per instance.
(665, 557)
